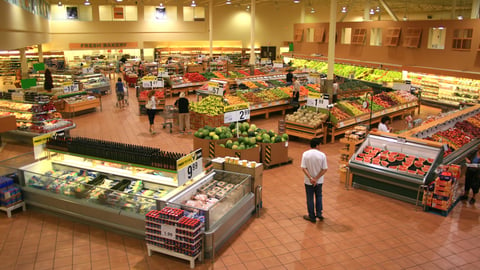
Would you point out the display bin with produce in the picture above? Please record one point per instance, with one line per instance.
(395, 166)
(307, 123)
(223, 200)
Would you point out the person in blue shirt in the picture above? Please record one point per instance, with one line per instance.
(472, 176)
(120, 91)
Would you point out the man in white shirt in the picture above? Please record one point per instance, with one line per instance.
(314, 166)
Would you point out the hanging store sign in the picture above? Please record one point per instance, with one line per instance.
(103, 45)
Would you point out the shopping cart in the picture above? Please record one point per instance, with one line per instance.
(125, 98)
(169, 115)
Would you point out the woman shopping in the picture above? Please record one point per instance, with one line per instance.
(151, 107)
(472, 176)
(183, 113)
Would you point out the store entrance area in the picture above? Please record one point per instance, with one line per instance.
(361, 229)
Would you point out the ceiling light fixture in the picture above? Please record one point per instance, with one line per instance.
(405, 17)
(193, 4)
(229, 2)
(344, 9)
(377, 9)
(460, 17)
(372, 11)
(60, 3)
(161, 4)
(312, 10)
(119, 1)
(296, 1)
(87, 3)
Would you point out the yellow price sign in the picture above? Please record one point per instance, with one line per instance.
(213, 84)
(314, 94)
(67, 83)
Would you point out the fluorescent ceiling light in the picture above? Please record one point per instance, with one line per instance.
(344, 9)
(460, 17)
(229, 2)
(87, 3)
(312, 10)
(296, 1)
(161, 4)
(372, 11)
(59, 3)
(193, 4)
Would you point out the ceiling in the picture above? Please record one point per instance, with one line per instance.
(353, 6)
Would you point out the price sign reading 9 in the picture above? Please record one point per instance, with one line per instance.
(191, 170)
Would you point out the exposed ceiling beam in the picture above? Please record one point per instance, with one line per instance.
(389, 11)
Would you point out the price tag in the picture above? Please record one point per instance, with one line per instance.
(277, 64)
(69, 88)
(265, 61)
(168, 231)
(189, 166)
(88, 70)
(401, 139)
(236, 116)
(216, 88)
(152, 84)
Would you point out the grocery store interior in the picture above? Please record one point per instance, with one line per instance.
(86, 184)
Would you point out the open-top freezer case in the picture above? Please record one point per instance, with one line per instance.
(395, 166)
(223, 199)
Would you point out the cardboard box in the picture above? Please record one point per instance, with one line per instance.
(256, 173)
(252, 154)
(274, 153)
(207, 146)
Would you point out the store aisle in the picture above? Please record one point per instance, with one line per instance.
(361, 230)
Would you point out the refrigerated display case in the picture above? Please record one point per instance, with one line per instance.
(232, 205)
(106, 193)
(395, 166)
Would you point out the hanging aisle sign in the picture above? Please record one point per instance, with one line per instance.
(216, 87)
(236, 113)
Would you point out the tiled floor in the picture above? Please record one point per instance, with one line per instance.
(361, 230)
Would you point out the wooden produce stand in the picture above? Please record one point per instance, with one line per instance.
(364, 119)
(306, 131)
(346, 152)
(72, 108)
(266, 108)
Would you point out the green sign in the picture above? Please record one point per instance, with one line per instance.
(27, 83)
(39, 66)
(290, 47)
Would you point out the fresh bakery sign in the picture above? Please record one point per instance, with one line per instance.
(104, 45)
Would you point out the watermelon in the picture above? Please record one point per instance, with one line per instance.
(377, 149)
(361, 155)
(402, 168)
(377, 159)
(383, 156)
(393, 167)
(412, 171)
(400, 158)
(384, 163)
(420, 172)
(430, 160)
(359, 159)
(376, 162)
(421, 159)
(391, 159)
(426, 168)
(367, 160)
(368, 148)
(418, 164)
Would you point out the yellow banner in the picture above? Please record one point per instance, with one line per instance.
(67, 83)
(236, 107)
(42, 139)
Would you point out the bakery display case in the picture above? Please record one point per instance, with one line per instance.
(395, 166)
(223, 200)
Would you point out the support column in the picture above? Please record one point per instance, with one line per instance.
(475, 9)
(40, 53)
(302, 12)
(454, 9)
(252, 33)
(23, 63)
(210, 27)
(331, 46)
(366, 11)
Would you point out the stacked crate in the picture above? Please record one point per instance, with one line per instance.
(442, 193)
(171, 230)
(9, 193)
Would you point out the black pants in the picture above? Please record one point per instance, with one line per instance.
(151, 115)
(472, 180)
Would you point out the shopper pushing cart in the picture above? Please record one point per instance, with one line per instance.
(122, 94)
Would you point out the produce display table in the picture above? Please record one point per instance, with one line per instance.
(306, 131)
(185, 87)
(72, 108)
(272, 106)
(396, 111)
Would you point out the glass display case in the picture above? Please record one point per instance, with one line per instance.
(107, 193)
(223, 199)
(395, 166)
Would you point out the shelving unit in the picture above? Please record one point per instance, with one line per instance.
(346, 152)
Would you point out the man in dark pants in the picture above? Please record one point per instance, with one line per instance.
(314, 166)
